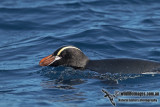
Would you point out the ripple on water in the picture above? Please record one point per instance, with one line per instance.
(31, 30)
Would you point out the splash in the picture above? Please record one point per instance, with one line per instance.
(70, 76)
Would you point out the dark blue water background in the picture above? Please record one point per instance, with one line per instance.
(33, 29)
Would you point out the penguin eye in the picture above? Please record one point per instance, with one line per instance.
(63, 54)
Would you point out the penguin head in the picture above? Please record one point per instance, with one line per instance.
(66, 56)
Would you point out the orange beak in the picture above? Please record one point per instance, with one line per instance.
(47, 60)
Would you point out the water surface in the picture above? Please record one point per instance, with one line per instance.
(31, 30)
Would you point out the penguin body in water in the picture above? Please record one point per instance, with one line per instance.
(73, 57)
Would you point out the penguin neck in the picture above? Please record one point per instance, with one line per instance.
(78, 63)
(94, 65)
(89, 64)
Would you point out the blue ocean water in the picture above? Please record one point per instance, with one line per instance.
(33, 29)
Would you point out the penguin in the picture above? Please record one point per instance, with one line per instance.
(72, 56)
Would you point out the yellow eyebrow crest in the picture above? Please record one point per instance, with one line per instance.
(60, 51)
